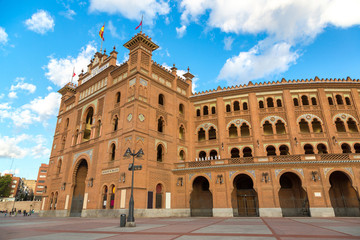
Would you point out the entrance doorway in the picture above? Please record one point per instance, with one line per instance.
(344, 198)
(293, 198)
(79, 189)
(201, 201)
(244, 197)
(159, 196)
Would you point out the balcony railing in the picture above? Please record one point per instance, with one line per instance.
(268, 159)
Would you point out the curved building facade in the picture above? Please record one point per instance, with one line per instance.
(286, 148)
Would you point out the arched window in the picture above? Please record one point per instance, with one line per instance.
(340, 126)
(201, 135)
(267, 127)
(296, 102)
(198, 112)
(233, 131)
(308, 148)
(160, 153)
(345, 148)
(247, 152)
(352, 125)
(322, 149)
(112, 196)
(244, 130)
(161, 124)
(357, 147)
(316, 126)
(278, 103)
(116, 122)
(205, 110)
(59, 167)
(245, 106)
(76, 136)
(202, 155)
(261, 104)
(270, 102)
(235, 153)
(347, 100)
(161, 99)
(339, 99)
(181, 108)
(181, 132)
(313, 101)
(236, 106)
(304, 126)
(98, 128)
(284, 150)
(66, 123)
(270, 150)
(55, 200)
(88, 123)
(182, 155)
(330, 100)
(118, 95)
(112, 152)
(63, 142)
(212, 133)
(280, 127)
(213, 154)
(304, 100)
(228, 108)
(104, 197)
(213, 110)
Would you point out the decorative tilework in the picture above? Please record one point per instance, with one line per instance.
(272, 119)
(277, 171)
(252, 172)
(326, 170)
(237, 122)
(349, 169)
(299, 170)
(308, 117)
(129, 117)
(205, 126)
(87, 152)
(344, 117)
(113, 140)
(140, 138)
(209, 175)
(190, 176)
(231, 173)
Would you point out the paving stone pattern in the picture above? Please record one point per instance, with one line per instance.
(36, 228)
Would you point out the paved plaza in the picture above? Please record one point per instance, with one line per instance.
(37, 228)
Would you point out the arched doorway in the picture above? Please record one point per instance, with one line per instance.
(79, 189)
(244, 197)
(159, 196)
(293, 198)
(201, 201)
(344, 198)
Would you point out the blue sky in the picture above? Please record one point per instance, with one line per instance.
(224, 43)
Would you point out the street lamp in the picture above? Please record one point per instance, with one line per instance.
(128, 153)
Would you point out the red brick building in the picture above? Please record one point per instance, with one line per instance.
(286, 148)
(41, 187)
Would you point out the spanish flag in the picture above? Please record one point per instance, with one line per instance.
(101, 33)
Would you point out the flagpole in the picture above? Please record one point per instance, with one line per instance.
(102, 39)
(72, 75)
(141, 22)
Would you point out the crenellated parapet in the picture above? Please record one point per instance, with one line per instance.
(282, 82)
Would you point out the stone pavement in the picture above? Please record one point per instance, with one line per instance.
(36, 228)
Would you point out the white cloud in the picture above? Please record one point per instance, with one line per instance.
(2, 95)
(4, 106)
(49, 88)
(59, 71)
(40, 22)
(23, 86)
(3, 36)
(9, 147)
(228, 41)
(132, 9)
(12, 95)
(69, 13)
(45, 107)
(15, 172)
(286, 24)
(112, 30)
(40, 150)
(259, 62)
(181, 31)
(38, 110)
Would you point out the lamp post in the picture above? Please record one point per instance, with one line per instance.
(128, 153)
